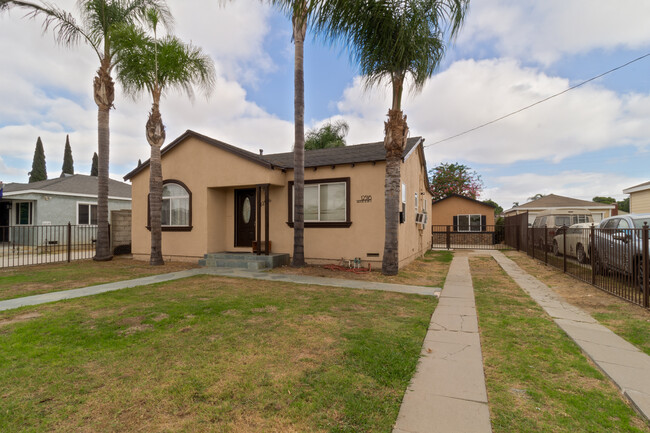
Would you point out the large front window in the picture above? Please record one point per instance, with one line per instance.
(175, 206)
(326, 203)
(469, 223)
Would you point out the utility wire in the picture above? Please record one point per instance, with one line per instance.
(538, 102)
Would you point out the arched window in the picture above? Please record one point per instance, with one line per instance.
(176, 206)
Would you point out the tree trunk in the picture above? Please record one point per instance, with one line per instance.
(299, 31)
(156, 137)
(396, 131)
(104, 93)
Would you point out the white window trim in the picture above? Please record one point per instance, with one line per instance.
(469, 221)
(87, 203)
(186, 197)
(31, 213)
(345, 205)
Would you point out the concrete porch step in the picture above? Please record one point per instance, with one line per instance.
(249, 261)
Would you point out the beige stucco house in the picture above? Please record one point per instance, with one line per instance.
(218, 197)
(639, 198)
(462, 213)
(599, 211)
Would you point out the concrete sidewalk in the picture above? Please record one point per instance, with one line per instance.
(447, 393)
(11, 304)
(626, 366)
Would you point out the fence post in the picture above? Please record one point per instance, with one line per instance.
(566, 230)
(646, 298)
(448, 238)
(69, 242)
(592, 253)
(546, 244)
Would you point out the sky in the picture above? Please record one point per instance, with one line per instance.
(591, 141)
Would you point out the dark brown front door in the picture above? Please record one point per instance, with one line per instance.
(244, 217)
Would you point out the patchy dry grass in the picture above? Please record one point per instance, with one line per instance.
(429, 270)
(628, 320)
(34, 280)
(211, 354)
(537, 378)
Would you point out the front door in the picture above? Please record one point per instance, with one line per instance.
(244, 217)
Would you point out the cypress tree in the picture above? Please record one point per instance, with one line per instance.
(68, 162)
(39, 172)
(93, 168)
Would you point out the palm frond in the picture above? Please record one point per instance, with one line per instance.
(180, 66)
(63, 24)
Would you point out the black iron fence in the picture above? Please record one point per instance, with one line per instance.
(31, 245)
(613, 260)
(474, 237)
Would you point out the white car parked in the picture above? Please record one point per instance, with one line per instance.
(577, 242)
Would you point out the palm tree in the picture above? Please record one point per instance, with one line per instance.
(98, 21)
(301, 12)
(391, 40)
(155, 66)
(328, 135)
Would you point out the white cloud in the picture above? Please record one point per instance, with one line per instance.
(570, 183)
(47, 91)
(470, 93)
(544, 31)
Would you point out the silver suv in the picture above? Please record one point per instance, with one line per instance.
(619, 245)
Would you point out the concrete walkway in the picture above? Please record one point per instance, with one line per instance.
(447, 393)
(626, 366)
(239, 273)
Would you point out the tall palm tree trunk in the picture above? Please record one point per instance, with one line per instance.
(396, 131)
(299, 31)
(104, 94)
(156, 137)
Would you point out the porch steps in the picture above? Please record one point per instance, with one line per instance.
(248, 261)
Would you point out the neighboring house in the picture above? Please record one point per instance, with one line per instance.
(639, 198)
(70, 199)
(462, 213)
(218, 197)
(461, 220)
(599, 211)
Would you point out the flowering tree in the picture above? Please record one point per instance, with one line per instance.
(447, 179)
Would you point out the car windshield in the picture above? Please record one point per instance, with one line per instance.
(638, 222)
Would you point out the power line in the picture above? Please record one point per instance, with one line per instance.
(538, 102)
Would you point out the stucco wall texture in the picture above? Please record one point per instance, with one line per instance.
(212, 175)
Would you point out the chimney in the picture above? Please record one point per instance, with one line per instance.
(261, 152)
(615, 210)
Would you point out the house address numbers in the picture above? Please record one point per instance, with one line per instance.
(365, 199)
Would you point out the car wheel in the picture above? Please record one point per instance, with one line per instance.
(639, 274)
(580, 254)
(598, 265)
(556, 248)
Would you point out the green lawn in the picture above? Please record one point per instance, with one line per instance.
(537, 378)
(36, 279)
(211, 354)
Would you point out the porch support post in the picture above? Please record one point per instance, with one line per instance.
(258, 194)
(266, 219)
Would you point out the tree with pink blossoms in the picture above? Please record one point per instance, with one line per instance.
(447, 179)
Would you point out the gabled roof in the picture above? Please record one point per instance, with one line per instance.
(637, 188)
(357, 153)
(76, 184)
(369, 152)
(558, 201)
(465, 198)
